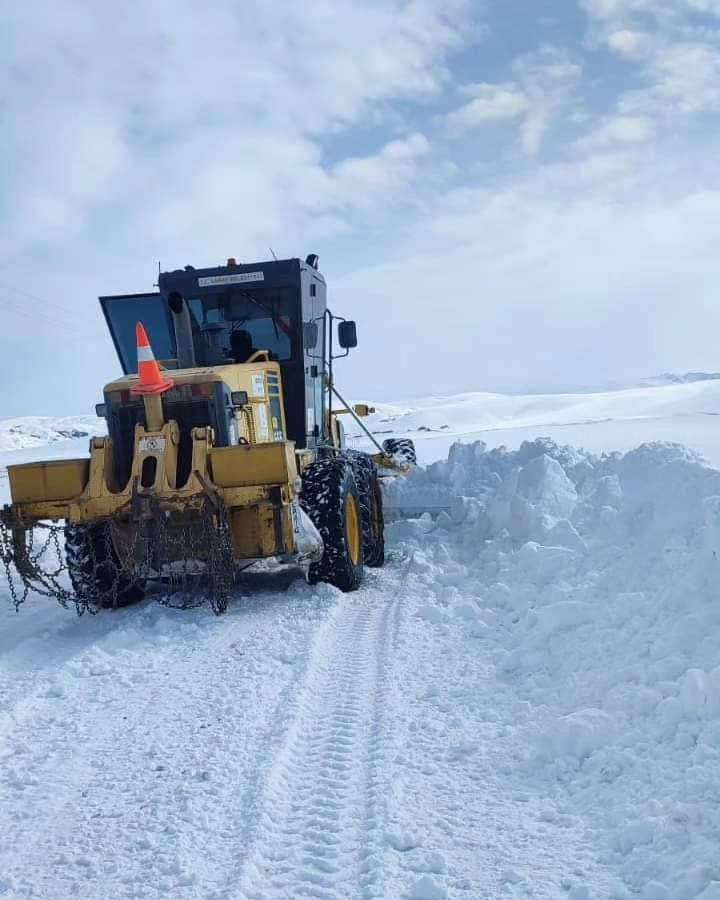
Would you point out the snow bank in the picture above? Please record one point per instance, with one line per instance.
(597, 582)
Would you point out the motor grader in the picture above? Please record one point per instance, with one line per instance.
(224, 450)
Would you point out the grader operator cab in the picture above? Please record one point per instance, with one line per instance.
(224, 448)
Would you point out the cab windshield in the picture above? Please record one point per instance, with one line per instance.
(265, 315)
(263, 319)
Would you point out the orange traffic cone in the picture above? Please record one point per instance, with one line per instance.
(151, 379)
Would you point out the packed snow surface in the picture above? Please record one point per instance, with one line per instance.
(525, 702)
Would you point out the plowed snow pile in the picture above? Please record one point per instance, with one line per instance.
(596, 583)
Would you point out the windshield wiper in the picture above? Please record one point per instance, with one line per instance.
(271, 312)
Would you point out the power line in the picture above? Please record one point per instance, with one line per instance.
(35, 314)
(15, 290)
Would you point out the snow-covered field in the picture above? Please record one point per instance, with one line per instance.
(525, 702)
(37, 431)
(603, 421)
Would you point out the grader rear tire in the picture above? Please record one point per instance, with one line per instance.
(375, 555)
(94, 568)
(371, 508)
(330, 498)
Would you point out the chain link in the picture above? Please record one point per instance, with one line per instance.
(189, 560)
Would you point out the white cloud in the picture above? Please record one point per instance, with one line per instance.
(617, 9)
(629, 129)
(106, 112)
(490, 103)
(543, 92)
(363, 183)
(550, 79)
(682, 79)
(704, 6)
(630, 44)
(677, 64)
(619, 129)
(662, 9)
(687, 76)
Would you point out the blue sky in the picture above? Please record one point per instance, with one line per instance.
(503, 194)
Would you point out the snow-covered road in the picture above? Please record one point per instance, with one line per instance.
(320, 830)
(134, 763)
(308, 744)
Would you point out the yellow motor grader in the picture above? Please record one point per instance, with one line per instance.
(224, 448)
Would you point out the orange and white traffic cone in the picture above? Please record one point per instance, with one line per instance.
(151, 379)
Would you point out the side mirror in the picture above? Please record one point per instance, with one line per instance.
(347, 335)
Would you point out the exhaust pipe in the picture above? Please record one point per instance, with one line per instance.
(182, 325)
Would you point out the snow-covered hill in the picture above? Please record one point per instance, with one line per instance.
(687, 378)
(522, 703)
(603, 421)
(36, 431)
(665, 378)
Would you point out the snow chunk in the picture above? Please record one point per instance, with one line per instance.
(700, 692)
(433, 614)
(655, 890)
(543, 483)
(564, 534)
(511, 876)
(532, 499)
(578, 735)
(608, 492)
(426, 888)
(434, 863)
(402, 841)
(561, 616)
(579, 892)
(540, 564)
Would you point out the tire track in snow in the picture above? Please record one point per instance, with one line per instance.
(143, 763)
(319, 833)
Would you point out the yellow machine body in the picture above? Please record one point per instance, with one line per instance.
(256, 480)
(226, 449)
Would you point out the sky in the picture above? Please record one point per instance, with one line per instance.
(504, 194)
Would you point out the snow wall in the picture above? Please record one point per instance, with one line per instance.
(596, 580)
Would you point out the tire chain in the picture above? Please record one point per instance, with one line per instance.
(38, 566)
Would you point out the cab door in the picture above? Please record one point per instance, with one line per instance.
(313, 314)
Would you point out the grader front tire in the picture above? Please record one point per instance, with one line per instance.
(94, 568)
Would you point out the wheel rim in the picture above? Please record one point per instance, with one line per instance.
(352, 529)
